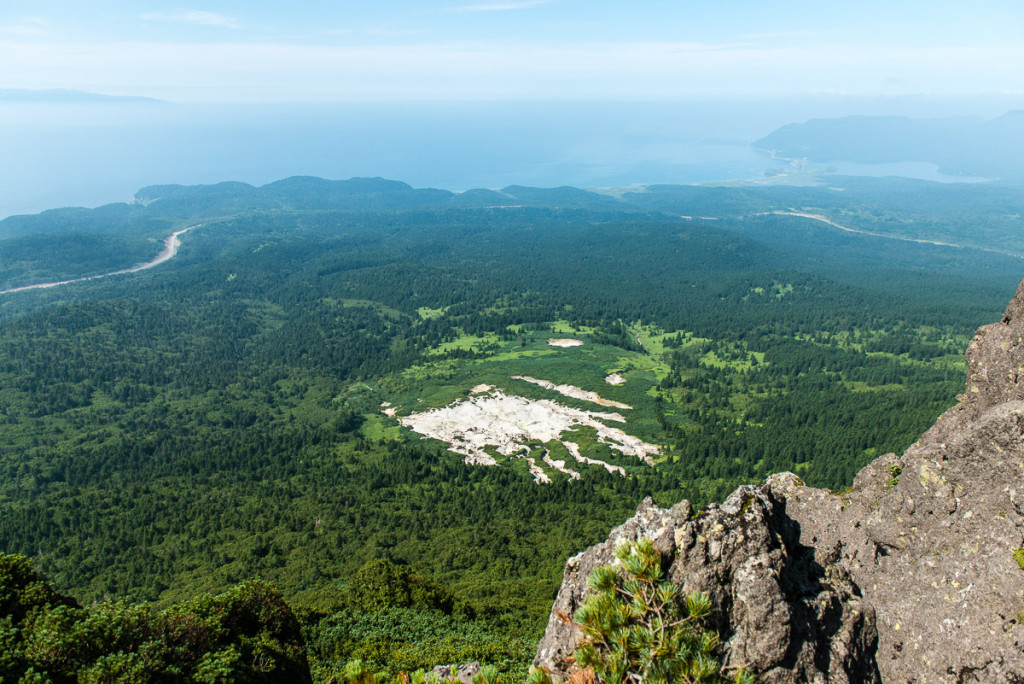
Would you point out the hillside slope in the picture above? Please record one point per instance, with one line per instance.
(913, 574)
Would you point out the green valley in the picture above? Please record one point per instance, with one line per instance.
(246, 410)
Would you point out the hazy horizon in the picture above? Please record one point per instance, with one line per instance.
(568, 50)
(468, 93)
(87, 154)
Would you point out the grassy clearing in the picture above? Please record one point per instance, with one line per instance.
(468, 343)
(347, 303)
(861, 386)
(521, 353)
(655, 340)
(777, 290)
(737, 360)
(945, 342)
(565, 328)
(436, 384)
(379, 428)
(427, 313)
(714, 382)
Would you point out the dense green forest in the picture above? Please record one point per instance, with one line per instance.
(216, 420)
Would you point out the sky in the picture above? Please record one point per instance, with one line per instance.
(539, 50)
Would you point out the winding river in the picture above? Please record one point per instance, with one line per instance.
(171, 244)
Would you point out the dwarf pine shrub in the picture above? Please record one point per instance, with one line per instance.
(640, 628)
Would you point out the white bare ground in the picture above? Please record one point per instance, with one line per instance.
(615, 379)
(480, 389)
(560, 466)
(539, 476)
(507, 424)
(573, 391)
(574, 449)
(565, 342)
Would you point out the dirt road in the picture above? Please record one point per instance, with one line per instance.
(171, 244)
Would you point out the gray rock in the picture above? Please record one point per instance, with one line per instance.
(932, 548)
(464, 673)
(561, 635)
(909, 575)
(781, 613)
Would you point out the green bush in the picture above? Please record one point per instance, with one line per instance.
(397, 640)
(895, 469)
(246, 634)
(639, 627)
(383, 584)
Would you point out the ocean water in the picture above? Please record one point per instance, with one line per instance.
(87, 154)
(922, 170)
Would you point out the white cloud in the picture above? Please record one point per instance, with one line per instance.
(816, 35)
(499, 6)
(22, 30)
(187, 16)
(28, 26)
(501, 71)
(374, 31)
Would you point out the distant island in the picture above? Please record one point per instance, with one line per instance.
(967, 146)
(61, 95)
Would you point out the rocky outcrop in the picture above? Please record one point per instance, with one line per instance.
(461, 673)
(909, 575)
(782, 614)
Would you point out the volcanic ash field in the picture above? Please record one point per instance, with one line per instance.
(508, 424)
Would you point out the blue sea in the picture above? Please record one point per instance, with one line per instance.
(87, 154)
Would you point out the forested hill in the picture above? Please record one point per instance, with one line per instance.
(234, 413)
(116, 236)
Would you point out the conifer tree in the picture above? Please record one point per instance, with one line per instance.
(639, 628)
